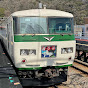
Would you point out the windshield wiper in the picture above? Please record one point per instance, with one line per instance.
(33, 34)
(23, 35)
(26, 34)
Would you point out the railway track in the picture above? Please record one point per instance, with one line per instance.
(81, 66)
(77, 73)
(76, 79)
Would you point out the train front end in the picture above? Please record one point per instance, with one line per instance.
(44, 47)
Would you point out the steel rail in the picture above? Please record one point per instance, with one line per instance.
(81, 63)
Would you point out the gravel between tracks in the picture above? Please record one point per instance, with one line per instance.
(76, 79)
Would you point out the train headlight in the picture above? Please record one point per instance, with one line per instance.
(67, 50)
(24, 52)
(27, 52)
(70, 50)
(63, 51)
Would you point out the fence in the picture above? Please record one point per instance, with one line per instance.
(81, 35)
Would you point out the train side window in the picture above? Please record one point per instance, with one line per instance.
(14, 25)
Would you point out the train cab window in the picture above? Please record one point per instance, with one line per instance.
(60, 25)
(42, 25)
(30, 25)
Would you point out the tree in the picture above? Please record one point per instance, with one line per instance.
(79, 8)
(2, 10)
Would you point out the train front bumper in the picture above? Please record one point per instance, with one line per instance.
(45, 81)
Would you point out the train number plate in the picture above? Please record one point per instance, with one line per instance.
(48, 51)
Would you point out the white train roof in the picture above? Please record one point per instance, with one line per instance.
(42, 12)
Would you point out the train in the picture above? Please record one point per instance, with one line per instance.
(41, 45)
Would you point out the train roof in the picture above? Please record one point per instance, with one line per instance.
(43, 13)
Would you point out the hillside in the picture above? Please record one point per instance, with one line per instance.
(79, 8)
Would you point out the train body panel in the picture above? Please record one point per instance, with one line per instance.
(35, 59)
(7, 35)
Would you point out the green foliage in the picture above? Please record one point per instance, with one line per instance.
(79, 8)
(2, 10)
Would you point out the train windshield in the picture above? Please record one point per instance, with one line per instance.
(42, 25)
(30, 25)
(60, 25)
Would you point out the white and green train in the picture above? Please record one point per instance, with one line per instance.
(41, 44)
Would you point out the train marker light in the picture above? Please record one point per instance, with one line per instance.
(69, 58)
(24, 60)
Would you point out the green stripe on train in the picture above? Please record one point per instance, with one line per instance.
(40, 38)
(37, 68)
